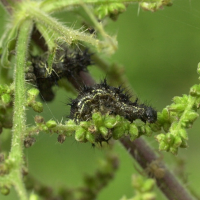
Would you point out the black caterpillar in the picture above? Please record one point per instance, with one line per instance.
(68, 64)
(107, 99)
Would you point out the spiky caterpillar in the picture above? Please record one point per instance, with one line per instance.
(109, 100)
(68, 64)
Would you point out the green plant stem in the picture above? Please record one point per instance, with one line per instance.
(54, 5)
(67, 34)
(19, 118)
(49, 38)
(99, 27)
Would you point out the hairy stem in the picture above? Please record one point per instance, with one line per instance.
(19, 118)
(66, 34)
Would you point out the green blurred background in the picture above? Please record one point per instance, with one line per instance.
(160, 52)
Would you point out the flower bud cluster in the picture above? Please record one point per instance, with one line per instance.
(155, 5)
(4, 170)
(143, 188)
(176, 118)
(103, 127)
(50, 126)
(31, 102)
(6, 99)
(111, 9)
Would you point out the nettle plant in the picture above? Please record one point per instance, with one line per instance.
(41, 52)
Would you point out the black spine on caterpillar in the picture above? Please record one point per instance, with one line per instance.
(76, 61)
(107, 99)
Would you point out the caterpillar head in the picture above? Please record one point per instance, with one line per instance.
(150, 115)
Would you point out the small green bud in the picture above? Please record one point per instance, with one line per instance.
(179, 100)
(133, 132)
(166, 126)
(115, 9)
(84, 124)
(197, 103)
(101, 11)
(137, 181)
(148, 196)
(142, 130)
(29, 101)
(111, 9)
(177, 107)
(195, 90)
(51, 124)
(90, 137)
(33, 197)
(97, 118)
(177, 142)
(44, 127)
(118, 132)
(110, 121)
(164, 116)
(33, 92)
(163, 146)
(173, 150)
(165, 113)
(5, 190)
(169, 138)
(103, 130)
(148, 185)
(70, 123)
(155, 127)
(3, 89)
(80, 134)
(37, 107)
(183, 134)
(191, 116)
(6, 98)
(160, 137)
(184, 144)
(186, 123)
(148, 130)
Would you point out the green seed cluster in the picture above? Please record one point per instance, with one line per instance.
(155, 5)
(111, 9)
(4, 170)
(51, 126)
(176, 118)
(31, 102)
(103, 127)
(143, 188)
(6, 99)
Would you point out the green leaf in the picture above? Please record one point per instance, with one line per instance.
(9, 44)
